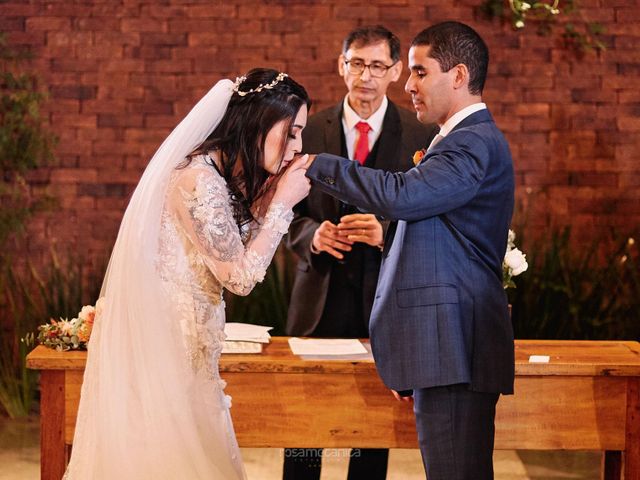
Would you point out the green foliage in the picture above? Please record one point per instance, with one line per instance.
(268, 303)
(591, 292)
(25, 144)
(579, 35)
(58, 291)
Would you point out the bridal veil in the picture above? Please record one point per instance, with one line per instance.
(143, 413)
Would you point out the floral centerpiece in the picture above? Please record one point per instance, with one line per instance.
(65, 334)
(514, 263)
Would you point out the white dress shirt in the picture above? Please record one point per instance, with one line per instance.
(350, 118)
(455, 119)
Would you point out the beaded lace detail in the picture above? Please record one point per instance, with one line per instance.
(202, 251)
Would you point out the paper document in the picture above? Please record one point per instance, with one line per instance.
(325, 346)
(539, 359)
(245, 332)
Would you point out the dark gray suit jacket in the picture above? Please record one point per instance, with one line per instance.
(440, 314)
(400, 137)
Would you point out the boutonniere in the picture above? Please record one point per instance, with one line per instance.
(418, 156)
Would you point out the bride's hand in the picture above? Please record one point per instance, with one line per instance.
(293, 186)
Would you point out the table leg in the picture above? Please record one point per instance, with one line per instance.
(632, 451)
(611, 465)
(52, 448)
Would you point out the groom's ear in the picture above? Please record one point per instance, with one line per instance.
(460, 76)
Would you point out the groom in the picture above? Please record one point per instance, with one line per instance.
(440, 329)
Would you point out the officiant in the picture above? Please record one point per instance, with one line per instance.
(338, 269)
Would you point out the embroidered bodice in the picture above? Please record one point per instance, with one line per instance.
(202, 251)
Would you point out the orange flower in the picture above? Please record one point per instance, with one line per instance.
(418, 156)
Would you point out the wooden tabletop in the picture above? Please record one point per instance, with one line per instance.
(566, 357)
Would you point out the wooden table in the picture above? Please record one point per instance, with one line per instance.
(586, 398)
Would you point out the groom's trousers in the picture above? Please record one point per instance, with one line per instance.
(456, 432)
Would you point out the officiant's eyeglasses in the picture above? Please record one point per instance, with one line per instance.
(376, 69)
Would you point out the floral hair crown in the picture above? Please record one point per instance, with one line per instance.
(263, 86)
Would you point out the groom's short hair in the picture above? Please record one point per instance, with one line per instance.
(372, 34)
(453, 43)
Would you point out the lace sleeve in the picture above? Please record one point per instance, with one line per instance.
(200, 200)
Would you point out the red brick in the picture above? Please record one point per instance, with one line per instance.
(152, 107)
(18, 38)
(593, 179)
(103, 106)
(78, 92)
(19, 8)
(123, 65)
(69, 175)
(138, 25)
(170, 66)
(97, 24)
(628, 15)
(172, 39)
(261, 11)
(531, 109)
(181, 25)
(629, 96)
(48, 23)
(220, 11)
(12, 24)
(629, 124)
(109, 120)
(101, 158)
(110, 38)
(440, 14)
(210, 39)
(73, 65)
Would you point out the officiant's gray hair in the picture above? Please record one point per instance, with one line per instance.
(372, 34)
(453, 43)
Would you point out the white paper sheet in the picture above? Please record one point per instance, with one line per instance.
(326, 346)
(539, 359)
(245, 332)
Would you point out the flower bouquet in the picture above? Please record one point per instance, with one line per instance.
(514, 263)
(65, 334)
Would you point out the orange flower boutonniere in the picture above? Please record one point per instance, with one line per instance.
(418, 156)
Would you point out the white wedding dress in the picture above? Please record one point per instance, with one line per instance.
(152, 403)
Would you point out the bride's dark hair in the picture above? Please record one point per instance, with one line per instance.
(241, 134)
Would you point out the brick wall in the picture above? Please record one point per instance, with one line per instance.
(122, 73)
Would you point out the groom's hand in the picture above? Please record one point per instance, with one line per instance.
(310, 160)
(362, 227)
(401, 398)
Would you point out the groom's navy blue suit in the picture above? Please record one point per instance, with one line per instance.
(440, 316)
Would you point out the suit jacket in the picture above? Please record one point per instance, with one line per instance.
(440, 313)
(400, 137)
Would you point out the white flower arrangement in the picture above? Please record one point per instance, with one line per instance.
(514, 263)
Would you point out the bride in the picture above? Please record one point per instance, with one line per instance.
(208, 213)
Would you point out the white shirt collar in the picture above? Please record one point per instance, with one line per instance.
(350, 117)
(459, 116)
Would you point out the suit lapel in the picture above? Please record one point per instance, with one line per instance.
(333, 137)
(388, 141)
(333, 130)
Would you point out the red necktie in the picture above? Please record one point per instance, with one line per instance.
(362, 147)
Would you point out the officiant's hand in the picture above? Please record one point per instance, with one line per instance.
(362, 227)
(327, 238)
(401, 398)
